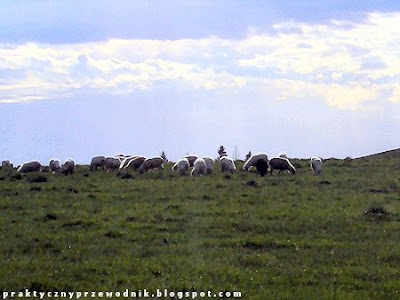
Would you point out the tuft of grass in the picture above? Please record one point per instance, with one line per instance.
(37, 177)
(36, 189)
(113, 234)
(50, 217)
(252, 183)
(378, 213)
(16, 177)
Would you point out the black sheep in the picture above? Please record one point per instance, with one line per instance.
(262, 167)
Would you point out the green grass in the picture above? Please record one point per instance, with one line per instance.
(279, 237)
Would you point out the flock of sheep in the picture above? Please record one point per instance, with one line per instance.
(200, 165)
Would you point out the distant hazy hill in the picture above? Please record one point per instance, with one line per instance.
(395, 153)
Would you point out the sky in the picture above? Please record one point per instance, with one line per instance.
(308, 78)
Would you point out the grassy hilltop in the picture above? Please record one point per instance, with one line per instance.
(334, 236)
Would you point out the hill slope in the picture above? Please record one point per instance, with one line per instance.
(333, 236)
(395, 153)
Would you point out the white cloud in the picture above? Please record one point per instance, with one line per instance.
(395, 98)
(346, 65)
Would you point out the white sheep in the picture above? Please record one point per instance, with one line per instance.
(122, 156)
(191, 159)
(112, 163)
(152, 163)
(283, 155)
(316, 165)
(281, 164)
(125, 161)
(54, 165)
(97, 162)
(28, 167)
(227, 164)
(134, 163)
(199, 167)
(209, 164)
(181, 165)
(6, 164)
(68, 167)
(252, 161)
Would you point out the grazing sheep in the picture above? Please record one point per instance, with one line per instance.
(125, 161)
(112, 163)
(281, 164)
(182, 165)
(6, 164)
(122, 156)
(54, 165)
(227, 164)
(68, 167)
(209, 164)
(28, 167)
(316, 165)
(262, 167)
(135, 163)
(97, 162)
(191, 159)
(252, 161)
(199, 167)
(283, 155)
(152, 163)
(45, 169)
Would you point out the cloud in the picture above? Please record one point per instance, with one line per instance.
(395, 98)
(348, 66)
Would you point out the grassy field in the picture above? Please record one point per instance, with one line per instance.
(334, 236)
